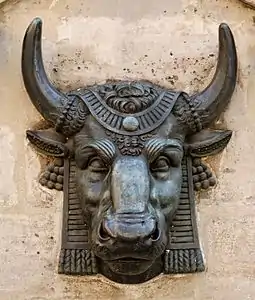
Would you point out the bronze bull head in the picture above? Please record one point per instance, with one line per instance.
(130, 144)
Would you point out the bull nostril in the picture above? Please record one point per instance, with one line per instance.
(103, 233)
(155, 235)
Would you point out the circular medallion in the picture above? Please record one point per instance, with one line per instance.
(130, 123)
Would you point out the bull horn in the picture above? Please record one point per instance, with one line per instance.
(45, 97)
(216, 96)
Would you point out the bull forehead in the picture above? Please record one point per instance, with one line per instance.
(129, 114)
(127, 145)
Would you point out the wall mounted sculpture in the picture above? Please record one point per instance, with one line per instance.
(128, 158)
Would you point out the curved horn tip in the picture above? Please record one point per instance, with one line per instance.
(36, 21)
(224, 26)
(225, 32)
(35, 26)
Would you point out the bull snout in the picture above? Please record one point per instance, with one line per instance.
(131, 217)
(130, 228)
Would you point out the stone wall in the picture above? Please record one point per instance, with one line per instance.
(173, 43)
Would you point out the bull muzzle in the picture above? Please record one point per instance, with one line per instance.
(130, 228)
(131, 217)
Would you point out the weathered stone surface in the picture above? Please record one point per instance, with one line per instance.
(8, 191)
(156, 40)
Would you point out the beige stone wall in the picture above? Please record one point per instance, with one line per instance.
(168, 42)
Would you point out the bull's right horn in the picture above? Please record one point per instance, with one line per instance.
(45, 97)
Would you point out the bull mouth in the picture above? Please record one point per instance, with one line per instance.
(130, 259)
(129, 265)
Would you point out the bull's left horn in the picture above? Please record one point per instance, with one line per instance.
(214, 99)
(45, 97)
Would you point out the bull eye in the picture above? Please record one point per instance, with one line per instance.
(161, 164)
(96, 164)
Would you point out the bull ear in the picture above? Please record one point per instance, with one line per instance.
(48, 142)
(208, 142)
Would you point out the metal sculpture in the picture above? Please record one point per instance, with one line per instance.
(128, 157)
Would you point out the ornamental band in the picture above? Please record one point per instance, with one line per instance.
(128, 156)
